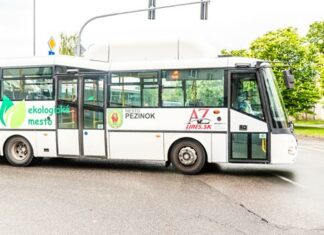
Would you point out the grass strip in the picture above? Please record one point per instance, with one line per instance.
(309, 131)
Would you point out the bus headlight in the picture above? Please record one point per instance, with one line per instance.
(292, 150)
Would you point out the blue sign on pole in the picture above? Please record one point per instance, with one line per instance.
(51, 52)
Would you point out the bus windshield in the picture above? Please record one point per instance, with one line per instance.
(278, 114)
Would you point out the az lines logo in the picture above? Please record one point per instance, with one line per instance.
(198, 120)
(12, 114)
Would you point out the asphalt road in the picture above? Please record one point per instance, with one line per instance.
(66, 196)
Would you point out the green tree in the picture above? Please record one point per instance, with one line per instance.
(240, 53)
(315, 37)
(284, 49)
(320, 69)
(68, 44)
(285, 45)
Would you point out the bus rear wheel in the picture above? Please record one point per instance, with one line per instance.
(18, 151)
(188, 157)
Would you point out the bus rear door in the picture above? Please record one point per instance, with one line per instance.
(80, 123)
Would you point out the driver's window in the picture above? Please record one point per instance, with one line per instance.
(245, 94)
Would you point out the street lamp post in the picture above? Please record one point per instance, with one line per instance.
(34, 27)
(151, 13)
(150, 9)
(203, 10)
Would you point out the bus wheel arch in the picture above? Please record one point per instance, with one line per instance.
(194, 149)
(18, 151)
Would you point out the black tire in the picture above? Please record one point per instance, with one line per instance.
(188, 157)
(18, 151)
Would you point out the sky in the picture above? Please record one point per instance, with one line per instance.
(231, 24)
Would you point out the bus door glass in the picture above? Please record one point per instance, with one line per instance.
(93, 127)
(248, 139)
(68, 115)
(80, 115)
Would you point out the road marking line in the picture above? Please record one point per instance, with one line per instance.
(310, 148)
(291, 181)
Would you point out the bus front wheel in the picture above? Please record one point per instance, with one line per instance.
(18, 151)
(188, 157)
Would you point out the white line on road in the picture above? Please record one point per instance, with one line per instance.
(291, 181)
(310, 148)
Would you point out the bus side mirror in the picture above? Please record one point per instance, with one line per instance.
(289, 79)
(291, 126)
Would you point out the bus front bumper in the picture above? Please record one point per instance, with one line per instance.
(284, 148)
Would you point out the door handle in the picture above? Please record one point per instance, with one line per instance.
(243, 127)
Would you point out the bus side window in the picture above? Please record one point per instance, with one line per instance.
(246, 95)
(193, 88)
(134, 89)
(172, 93)
(28, 83)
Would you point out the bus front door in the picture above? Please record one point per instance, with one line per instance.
(249, 135)
(80, 123)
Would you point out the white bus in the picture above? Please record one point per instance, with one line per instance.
(185, 112)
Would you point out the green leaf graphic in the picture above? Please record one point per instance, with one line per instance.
(15, 116)
(6, 104)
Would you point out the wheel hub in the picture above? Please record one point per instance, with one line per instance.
(20, 151)
(187, 156)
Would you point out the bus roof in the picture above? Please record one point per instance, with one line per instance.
(68, 61)
(79, 62)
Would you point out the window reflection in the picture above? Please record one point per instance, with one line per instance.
(246, 95)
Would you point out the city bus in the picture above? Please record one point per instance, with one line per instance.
(187, 113)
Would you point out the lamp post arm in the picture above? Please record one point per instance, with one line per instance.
(128, 12)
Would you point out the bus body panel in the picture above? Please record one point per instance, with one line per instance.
(42, 142)
(46, 144)
(136, 145)
(252, 124)
(94, 143)
(283, 148)
(68, 142)
(219, 147)
(205, 139)
(188, 119)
